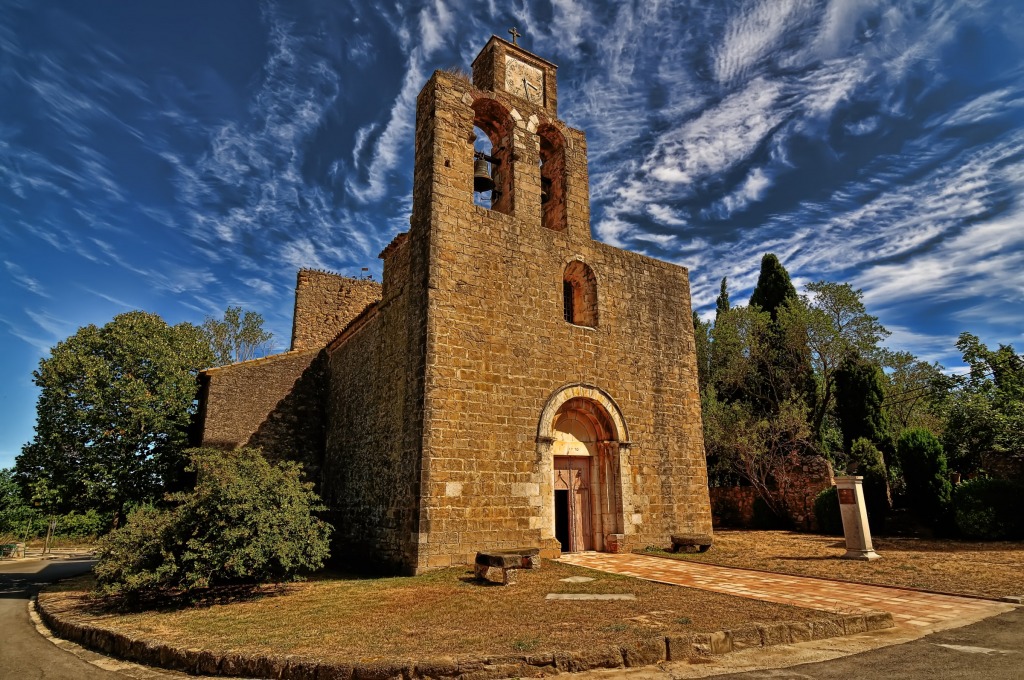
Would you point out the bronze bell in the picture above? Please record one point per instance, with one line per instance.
(545, 190)
(482, 176)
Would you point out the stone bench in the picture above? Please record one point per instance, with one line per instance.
(506, 560)
(700, 541)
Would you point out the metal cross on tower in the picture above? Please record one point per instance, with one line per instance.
(515, 34)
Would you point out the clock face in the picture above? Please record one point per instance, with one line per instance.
(524, 80)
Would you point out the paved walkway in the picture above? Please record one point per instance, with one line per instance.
(909, 608)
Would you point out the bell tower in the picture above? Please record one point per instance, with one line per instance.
(533, 167)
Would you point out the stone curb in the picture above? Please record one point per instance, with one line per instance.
(688, 647)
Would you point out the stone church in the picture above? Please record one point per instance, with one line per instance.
(512, 383)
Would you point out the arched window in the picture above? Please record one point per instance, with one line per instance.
(579, 295)
(552, 177)
(492, 153)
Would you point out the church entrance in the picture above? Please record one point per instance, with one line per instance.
(585, 485)
(572, 504)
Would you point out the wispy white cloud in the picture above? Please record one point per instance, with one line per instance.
(24, 279)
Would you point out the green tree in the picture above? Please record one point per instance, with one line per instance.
(246, 521)
(984, 426)
(832, 322)
(913, 391)
(782, 365)
(773, 286)
(722, 301)
(860, 393)
(114, 406)
(239, 336)
(926, 474)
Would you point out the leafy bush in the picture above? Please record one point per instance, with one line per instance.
(826, 511)
(989, 509)
(246, 521)
(88, 524)
(869, 463)
(926, 474)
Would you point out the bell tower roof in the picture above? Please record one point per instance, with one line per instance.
(505, 67)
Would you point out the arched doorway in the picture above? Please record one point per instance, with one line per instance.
(583, 448)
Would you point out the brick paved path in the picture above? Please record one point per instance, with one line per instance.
(908, 607)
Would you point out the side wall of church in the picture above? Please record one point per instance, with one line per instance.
(499, 347)
(235, 400)
(325, 303)
(375, 425)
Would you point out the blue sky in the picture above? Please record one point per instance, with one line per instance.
(182, 156)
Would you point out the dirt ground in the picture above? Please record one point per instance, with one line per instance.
(437, 614)
(987, 569)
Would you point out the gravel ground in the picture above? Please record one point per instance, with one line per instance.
(986, 569)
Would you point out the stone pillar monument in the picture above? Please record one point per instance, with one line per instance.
(855, 519)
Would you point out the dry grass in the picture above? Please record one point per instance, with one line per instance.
(442, 613)
(992, 569)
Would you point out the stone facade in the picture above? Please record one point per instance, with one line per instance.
(518, 383)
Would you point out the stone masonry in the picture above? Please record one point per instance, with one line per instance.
(517, 384)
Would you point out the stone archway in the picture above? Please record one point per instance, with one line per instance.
(582, 446)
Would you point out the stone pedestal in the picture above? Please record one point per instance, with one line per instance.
(855, 519)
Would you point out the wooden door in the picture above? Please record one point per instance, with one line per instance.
(572, 474)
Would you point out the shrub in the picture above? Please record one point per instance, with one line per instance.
(246, 521)
(88, 524)
(925, 473)
(869, 463)
(826, 511)
(989, 509)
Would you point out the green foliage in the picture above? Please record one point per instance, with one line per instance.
(722, 301)
(985, 410)
(914, 390)
(246, 521)
(925, 473)
(989, 509)
(827, 512)
(755, 448)
(832, 322)
(860, 391)
(867, 461)
(114, 407)
(237, 337)
(773, 286)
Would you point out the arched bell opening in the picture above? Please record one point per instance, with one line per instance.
(582, 456)
(552, 177)
(492, 156)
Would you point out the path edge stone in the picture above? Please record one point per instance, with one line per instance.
(690, 647)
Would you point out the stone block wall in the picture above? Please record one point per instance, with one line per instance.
(235, 400)
(325, 303)
(733, 506)
(375, 423)
(498, 347)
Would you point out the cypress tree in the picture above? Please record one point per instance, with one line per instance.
(860, 391)
(773, 286)
(722, 302)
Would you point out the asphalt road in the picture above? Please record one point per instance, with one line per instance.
(992, 649)
(24, 653)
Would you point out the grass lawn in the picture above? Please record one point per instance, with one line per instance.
(442, 613)
(989, 569)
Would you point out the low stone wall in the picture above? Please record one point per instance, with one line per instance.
(692, 647)
(733, 506)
